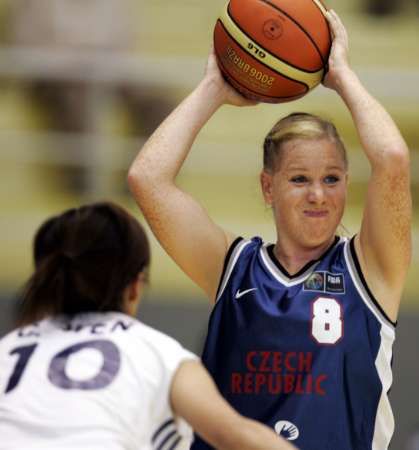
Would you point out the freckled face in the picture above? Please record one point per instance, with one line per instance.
(307, 191)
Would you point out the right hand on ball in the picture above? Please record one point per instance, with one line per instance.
(229, 95)
(338, 59)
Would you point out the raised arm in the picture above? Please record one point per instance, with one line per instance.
(383, 245)
(179, 222)
(195, 397)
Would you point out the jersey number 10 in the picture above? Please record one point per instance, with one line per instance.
(57, 374)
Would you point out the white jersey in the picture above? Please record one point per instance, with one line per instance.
(98, 381)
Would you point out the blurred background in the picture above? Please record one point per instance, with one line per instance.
(84, 82)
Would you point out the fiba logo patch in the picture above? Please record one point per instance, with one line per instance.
(287, 430)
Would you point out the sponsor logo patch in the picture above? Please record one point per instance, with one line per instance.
(287, 430)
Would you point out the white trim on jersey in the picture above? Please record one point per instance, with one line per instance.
(369, 302)
(281, 277)
(384, 420)
(231, 263)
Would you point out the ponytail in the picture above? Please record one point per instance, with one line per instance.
(84, 259)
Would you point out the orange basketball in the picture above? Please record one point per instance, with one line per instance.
(273, 51)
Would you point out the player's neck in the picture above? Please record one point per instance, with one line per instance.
(293, 256)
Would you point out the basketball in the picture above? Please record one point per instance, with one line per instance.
(273, 51)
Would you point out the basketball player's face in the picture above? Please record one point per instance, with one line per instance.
(307, 191)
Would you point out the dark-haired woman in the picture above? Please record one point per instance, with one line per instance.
(301, 333)
(81, 372)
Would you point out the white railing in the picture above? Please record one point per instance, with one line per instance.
(168, 71)
(65, 149)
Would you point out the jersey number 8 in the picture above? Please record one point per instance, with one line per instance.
(326, 323)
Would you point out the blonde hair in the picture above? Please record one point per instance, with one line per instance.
(298, 126)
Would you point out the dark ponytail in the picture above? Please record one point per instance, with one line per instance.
(84, 259)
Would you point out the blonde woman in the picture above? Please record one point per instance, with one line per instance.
(301, 333)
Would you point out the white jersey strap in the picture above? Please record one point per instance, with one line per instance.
(361, 285)
(230, 261)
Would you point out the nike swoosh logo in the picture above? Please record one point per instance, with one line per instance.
(240, 294)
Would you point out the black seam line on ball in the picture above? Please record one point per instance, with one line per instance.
(307, 87)
(300, 27)
(263, 48)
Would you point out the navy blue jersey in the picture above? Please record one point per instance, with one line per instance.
(309, 354)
